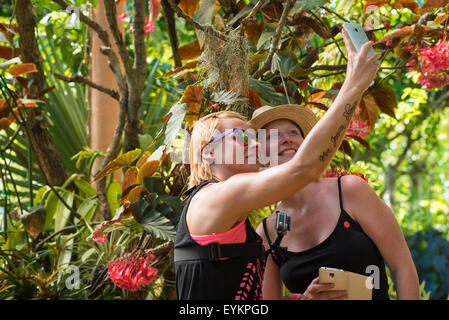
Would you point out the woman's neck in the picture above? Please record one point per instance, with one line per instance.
(301, 198)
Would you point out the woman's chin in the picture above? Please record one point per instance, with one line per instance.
(285, 158)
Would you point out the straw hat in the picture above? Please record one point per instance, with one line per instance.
(300, 115)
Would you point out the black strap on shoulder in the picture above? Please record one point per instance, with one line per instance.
(194, 189)
(215, 251)
(265, 230)
(340, 194)
(276, 246)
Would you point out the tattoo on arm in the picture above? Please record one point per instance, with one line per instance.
(335, 137)
(347, 114)
(349, 110)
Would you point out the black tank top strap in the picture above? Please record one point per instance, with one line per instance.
(192, 191)
(265, 230)
(275, 250)
(340, 195)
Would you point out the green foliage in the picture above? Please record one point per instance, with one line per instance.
(430, 251)
(423, 294)
(45, 230)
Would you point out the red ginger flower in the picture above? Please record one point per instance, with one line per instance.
(132, 271)
(100, 232)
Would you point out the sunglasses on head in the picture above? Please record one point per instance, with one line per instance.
(241, 137)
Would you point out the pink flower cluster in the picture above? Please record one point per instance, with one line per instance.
(433, 61)
(358, 128)
(132, 272)
(336, 172)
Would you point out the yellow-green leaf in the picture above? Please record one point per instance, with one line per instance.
(147, 170)
(124, 160)
(22, 68)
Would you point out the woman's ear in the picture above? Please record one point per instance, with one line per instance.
(207, 154)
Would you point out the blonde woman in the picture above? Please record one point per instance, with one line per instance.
(218, 255)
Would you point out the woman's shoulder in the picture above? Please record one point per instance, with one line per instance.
(353, 183)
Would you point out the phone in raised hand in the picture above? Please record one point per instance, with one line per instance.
(357, 35)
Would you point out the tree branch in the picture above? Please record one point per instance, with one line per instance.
(329, 67)
(161, 249)
(110, 155)
(254, 10)
(169, 15)
(110, 9)
(206, 28)
(80, 79)
(333, 12)
(118, 132)
(67, 229)
(275, 41)
(104, 37)
(140, 54)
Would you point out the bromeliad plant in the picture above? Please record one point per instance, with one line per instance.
(144, 196)
(145, 199)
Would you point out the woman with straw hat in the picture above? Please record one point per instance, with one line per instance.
(218, 255)
(334, 222)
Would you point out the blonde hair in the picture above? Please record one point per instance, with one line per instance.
(204, 130)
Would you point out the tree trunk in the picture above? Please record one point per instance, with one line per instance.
(104, 109)
(43, 148)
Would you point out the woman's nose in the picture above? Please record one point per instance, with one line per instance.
(285, 138)
(253, 143)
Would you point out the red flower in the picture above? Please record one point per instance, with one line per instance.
(434, 80)
(336, 172)
(435, 58)
(100, 232)
(432, 63)
(149, 27)
(358, 128)
(132, 272)
(122, 16)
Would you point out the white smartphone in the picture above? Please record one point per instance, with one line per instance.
(357, 35)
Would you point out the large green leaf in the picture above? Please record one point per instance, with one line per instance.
(62, 213)
(174, 124)
(65, 255)
(113, 194)
(266, 91)
(150, 214)
(153, 185)
(175, 204)
(15, 161)
(87, 209)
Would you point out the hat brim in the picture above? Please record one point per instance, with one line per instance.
(300, 115)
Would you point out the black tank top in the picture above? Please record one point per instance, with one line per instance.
(229, 279)
(347, 247)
